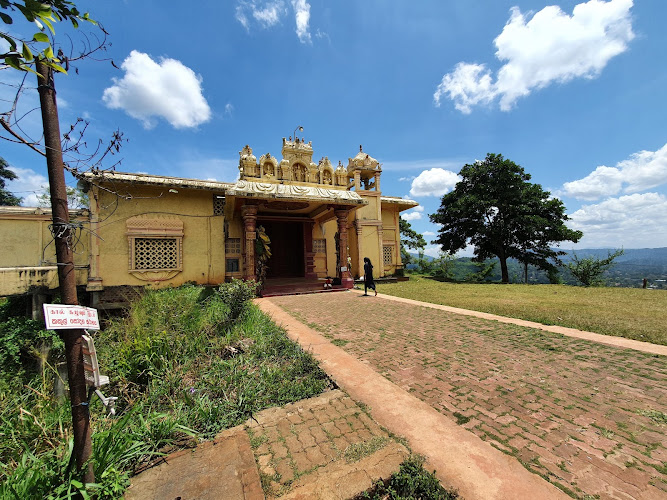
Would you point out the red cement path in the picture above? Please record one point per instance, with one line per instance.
(589, 417)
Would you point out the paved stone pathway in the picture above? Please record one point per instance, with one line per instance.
(323, 447)
(590, 418)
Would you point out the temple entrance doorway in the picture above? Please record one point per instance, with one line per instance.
(287, 248)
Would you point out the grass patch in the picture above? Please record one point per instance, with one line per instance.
(622, 312)
(357, 451)
(460, 418)
(412, 481)
(655, 415)
(184, 362)
(340, 342)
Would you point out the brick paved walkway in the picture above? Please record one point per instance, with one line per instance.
(589, 417)
(324, 447)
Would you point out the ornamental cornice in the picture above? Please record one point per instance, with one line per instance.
(245, 188)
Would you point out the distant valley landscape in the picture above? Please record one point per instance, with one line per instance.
(628, 270)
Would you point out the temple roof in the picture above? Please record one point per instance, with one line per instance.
(241, 188)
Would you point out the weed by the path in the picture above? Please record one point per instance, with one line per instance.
(410, 482)
(655, 415)
(460, 418)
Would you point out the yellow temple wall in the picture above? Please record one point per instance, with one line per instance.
(203, 245)
(28, 257)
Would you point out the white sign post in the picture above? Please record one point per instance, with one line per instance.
(61, 317)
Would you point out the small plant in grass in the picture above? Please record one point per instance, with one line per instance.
(412, 481)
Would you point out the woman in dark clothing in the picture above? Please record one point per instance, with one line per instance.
(368, 276)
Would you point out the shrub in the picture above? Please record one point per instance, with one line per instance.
(236, 294)
(412, 481)
(21, 338)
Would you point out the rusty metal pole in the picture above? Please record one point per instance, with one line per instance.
(66, 274)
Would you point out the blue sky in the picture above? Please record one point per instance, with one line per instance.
(573, 91)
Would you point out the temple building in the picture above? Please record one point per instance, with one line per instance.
(321, 220)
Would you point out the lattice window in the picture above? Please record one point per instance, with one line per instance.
(232, 266)
(233, 246)
(155, 253)
(155, 244)
(388, 254)
(218, 204)
(320, 246)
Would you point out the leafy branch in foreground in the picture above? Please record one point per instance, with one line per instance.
(23, 52)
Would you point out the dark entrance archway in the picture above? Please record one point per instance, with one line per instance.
(287, 248)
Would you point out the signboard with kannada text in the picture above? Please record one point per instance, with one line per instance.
(60, 317)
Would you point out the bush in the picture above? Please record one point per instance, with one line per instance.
(588, 271)
(236, 294)
(412, 481)
(22, 338)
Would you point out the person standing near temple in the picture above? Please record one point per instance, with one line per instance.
(368, 276)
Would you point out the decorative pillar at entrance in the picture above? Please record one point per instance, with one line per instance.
(308, 249)
(357, 180)
(381, 254)
(249, 213)
(377, 181)
(360, 258)
(345, 277)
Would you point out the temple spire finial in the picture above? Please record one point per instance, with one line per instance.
(360, 150)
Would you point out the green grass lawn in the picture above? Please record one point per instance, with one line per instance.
(632, 313)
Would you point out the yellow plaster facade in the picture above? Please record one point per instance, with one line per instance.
(28, 257)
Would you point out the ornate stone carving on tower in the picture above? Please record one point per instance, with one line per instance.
(365, 170)
(248, 163)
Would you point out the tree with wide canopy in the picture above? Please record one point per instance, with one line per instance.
(501, 214)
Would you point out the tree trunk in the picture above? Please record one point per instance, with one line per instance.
(503, 269)
(66, 273)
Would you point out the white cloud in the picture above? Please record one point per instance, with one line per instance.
(28, 186)
(302, 18)
(434, 182)
(165, 89)
(550, 47)
(269, 13)
(632, 221)
(229, 109)
(643, 170)
(323, 35)
(407, 179)
(410, 216)
(429, 233)
(432, 251)
(467, 86)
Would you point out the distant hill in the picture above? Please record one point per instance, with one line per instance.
(629, 269)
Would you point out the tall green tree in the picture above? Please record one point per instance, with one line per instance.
(410, 239)
(7, 198)
(497, 210)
